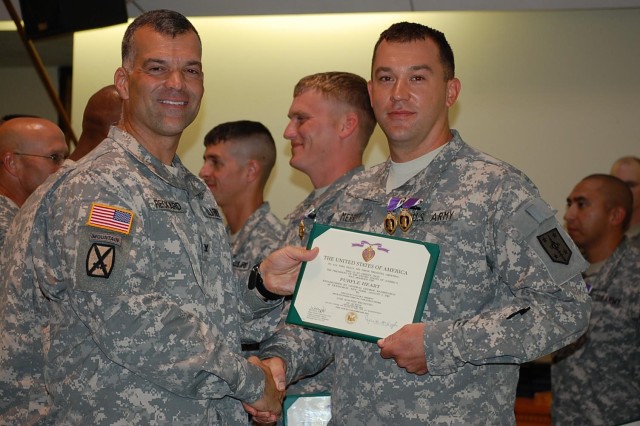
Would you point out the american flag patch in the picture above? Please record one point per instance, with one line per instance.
(109, 217)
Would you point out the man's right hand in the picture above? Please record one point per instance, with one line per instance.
(268, 408)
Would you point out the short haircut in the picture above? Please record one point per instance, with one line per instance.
(405, 32)
(616, 194)
(346, 88)
(166, 22)
(254, 139)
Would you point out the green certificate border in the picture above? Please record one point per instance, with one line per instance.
(293, 316)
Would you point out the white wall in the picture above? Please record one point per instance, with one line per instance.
(555, 93)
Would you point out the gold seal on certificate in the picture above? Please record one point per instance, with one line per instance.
(362, 285)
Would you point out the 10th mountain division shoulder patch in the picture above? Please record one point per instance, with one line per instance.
(100, 260)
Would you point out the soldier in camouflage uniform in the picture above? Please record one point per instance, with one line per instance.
(120, 275)
(596, 381)
(330, 123)
(238, 159)
(30, 150)
(507, 287)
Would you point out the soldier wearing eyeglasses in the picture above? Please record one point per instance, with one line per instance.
(30, 150)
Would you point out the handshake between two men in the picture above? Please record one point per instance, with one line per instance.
(279, 271)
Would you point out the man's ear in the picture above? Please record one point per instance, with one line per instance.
(9, 163)
(617, 215)
(121, 81)
(348, 124)
(253, 170)
(453, 91)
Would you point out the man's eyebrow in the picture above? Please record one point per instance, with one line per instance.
(576, 199)
(164, 62)
(412, 68)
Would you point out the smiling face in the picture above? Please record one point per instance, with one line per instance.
(411, 97)
(224, 172)
(313, 129)
(161, 83)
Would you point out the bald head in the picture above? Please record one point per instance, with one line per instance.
(30, 150)
(627, 169)
(597, 215)
(615, 193)
(102, 110)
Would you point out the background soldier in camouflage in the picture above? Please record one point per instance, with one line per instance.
(627, 169)
(330, 123)
(238, 160)
(499, 297)
(30, 150)
(596, 381)
(121, 266)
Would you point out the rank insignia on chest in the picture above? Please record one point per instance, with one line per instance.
(100, 260)
(310, 214)
(111, 218)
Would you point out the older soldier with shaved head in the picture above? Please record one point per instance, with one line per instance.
(30, 150)
(597, 379)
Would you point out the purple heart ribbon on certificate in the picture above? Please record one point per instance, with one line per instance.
(369, 252)
(367, 243)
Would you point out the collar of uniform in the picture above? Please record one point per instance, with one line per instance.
(182, 179)
(247, 229)
(8, 202)
(372, 186)
(311, 200)
(625, 248)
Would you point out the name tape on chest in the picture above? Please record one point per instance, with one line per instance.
(166, 205)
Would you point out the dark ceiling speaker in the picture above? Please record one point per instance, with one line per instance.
(46, 18)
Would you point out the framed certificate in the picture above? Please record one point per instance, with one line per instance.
(308, 410)
(362, 285)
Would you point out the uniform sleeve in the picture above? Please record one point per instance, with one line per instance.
(540, 304)
(104, 284)
(23, 396)
(263, 315)
(304, 351)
